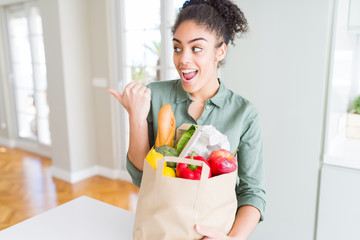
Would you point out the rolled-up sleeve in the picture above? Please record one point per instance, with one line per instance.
(250, 187)
(135, 174)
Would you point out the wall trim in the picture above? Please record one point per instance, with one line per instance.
(61, 174)
(7, 142)
(124, 175)
(117, 80)
(11, 2)
(33, 148)
(89, 172)
(26, 146)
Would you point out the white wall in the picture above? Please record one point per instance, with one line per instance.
(56, 86)
(68, 56)
(75, 33)
(281, 67)
(100, 48)
(5, 113)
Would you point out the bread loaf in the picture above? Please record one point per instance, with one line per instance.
(166, 127)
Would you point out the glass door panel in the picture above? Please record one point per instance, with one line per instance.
(27, 126)
(40, 77)
(35, 20)
(142, 40)
(44, 133)
(23, 75)
(142, 15)
(174, 8)
(42, 104)
(38, 49)
(28, 68)
(25, 101)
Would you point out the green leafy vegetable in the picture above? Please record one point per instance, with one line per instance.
(357, 105)
(185, 137)
(166, 150)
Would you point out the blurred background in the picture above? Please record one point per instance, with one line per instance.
(299, 64)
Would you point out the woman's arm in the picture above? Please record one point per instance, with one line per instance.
(138, 142)
(250, 191)
(136, 100)
(247, 218)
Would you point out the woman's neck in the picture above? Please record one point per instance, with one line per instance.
(206, 92)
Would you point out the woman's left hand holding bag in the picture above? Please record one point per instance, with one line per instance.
(209, 233)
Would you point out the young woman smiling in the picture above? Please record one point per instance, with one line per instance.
(201, 33)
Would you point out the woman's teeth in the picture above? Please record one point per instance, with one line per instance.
(188, 71)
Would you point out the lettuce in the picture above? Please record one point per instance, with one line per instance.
(185, 137)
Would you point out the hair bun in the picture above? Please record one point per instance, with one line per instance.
(233, 18)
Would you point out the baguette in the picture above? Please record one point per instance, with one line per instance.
(166, 127)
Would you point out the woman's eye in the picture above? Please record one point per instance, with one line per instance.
(177, 49)
(197, 49)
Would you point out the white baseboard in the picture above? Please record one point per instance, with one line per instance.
(113, 174)
(65, 175)
(27, 146)
(61, 174)
(34, 148)
(107, 172)
(89, 172)
(83, 174)
(7, 142)
(124, 175)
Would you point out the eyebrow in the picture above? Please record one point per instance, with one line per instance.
(192, 40)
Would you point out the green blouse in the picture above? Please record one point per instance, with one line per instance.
(230, 114)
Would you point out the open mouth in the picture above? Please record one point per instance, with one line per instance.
(188, 74)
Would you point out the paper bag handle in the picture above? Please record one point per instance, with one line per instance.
(204, 172)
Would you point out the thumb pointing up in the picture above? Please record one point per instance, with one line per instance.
(116, 94)
(135, 99)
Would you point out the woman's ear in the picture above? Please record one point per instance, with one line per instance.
(221, 52)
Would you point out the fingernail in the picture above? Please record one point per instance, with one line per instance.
(197, 227)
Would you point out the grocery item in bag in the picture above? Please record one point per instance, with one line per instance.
(168, 208)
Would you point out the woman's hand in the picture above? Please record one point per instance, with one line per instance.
(209, 233)
(247, 217)
(135, 99)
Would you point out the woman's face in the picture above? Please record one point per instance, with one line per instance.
(196, 57)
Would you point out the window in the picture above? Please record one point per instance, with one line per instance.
(143, 52)
(147, 35)
(28, 72)
(344, 86)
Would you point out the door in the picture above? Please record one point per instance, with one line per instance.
(28, 83)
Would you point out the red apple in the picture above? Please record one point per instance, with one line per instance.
(222, 161)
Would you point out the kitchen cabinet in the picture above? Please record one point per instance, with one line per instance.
(354, 16)
(339, 204)
(339, 189)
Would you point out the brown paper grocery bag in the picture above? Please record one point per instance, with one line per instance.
(168, 208)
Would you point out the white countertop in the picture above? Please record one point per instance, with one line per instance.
(344, 152)
(81, 218)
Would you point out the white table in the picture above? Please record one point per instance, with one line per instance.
(81, 218)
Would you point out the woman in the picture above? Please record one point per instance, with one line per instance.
(201, 33)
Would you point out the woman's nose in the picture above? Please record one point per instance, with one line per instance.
(186, 57)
